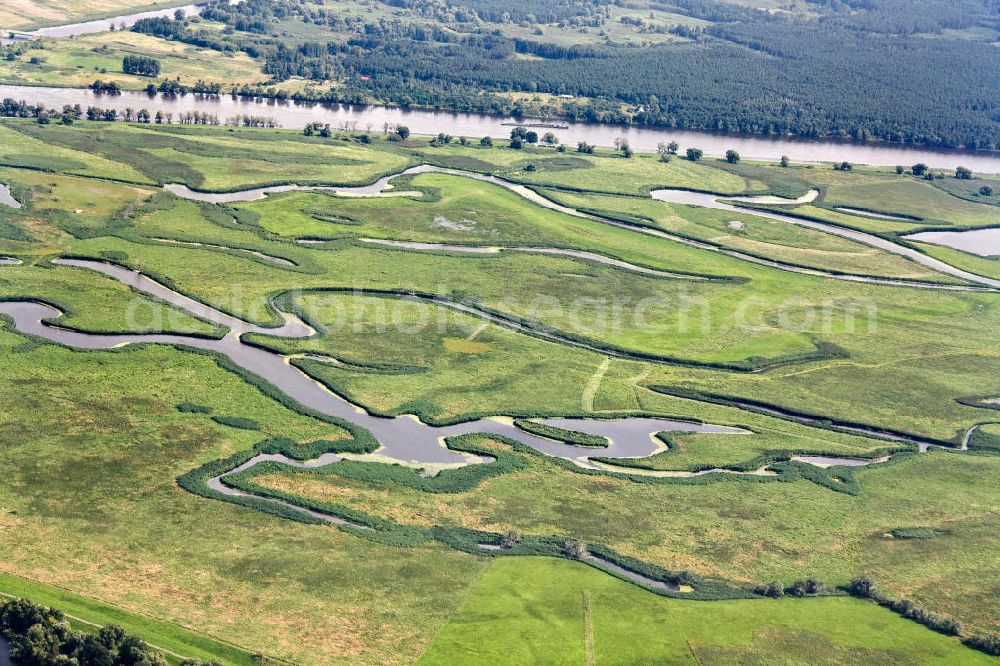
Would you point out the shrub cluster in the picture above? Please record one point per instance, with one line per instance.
(573, 437)
(41, 636)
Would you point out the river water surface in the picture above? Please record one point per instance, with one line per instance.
(372, 118)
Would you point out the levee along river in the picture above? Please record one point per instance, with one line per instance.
(373, 118)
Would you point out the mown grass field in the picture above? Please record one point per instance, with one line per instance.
(93, 442)
(533, 611)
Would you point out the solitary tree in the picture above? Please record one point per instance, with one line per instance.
(672, 147)
(784, 160)
(403, 132)
(919, 169)
(900, 169)
(531, 137)
(732, 156)
(486, 142)
(694, 154)
(550, 138)
(963, 173)
(986, 191)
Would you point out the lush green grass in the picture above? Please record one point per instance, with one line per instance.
(603, 172)
(531, 610)
(754, 235)
(20, 149)
(988, 266)
(884, 192)
(219, 158)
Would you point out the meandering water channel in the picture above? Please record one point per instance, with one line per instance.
(673, 196)
(406, 440)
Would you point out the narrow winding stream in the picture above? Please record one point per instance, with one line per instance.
(405, 439)
(704, 200)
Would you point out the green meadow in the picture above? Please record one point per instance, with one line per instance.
(93, 518)
(547, 611)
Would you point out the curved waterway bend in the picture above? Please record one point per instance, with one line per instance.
(480, 249)
(404, 439)
(6, 198)
(719, 202)
(686, 197)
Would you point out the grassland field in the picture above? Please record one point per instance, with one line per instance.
(80, 61)
(93, 442)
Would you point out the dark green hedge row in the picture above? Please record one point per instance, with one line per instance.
(980, 401)
(797, 416)
(573, 437)
(990, 644)
(915, 533)
(866, 588)
(239, 422)
(191, 408)
(705, 589)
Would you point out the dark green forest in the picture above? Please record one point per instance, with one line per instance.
(922, 72)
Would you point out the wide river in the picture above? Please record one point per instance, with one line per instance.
(373, 118)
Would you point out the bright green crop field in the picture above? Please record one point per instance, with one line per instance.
(579, 297)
